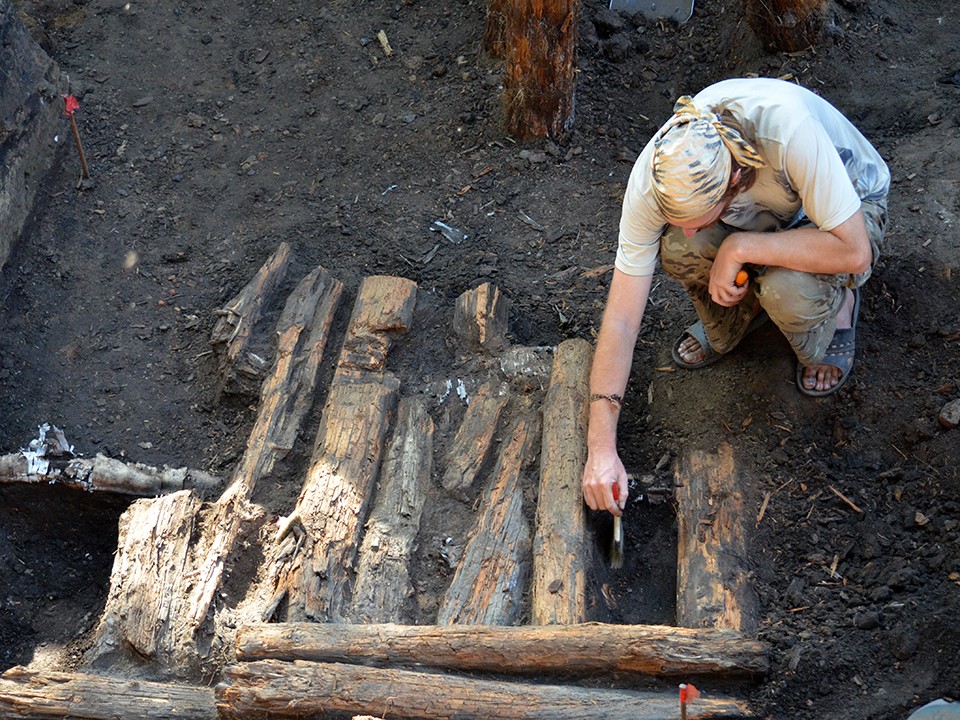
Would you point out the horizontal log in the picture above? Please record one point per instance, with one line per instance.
(274, 689)
(584, 650)
(56, 695)
(103, 474)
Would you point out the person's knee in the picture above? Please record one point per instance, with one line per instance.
(796, 301)
(688, 258)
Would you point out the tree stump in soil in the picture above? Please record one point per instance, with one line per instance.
(787, 25)
(540, 76)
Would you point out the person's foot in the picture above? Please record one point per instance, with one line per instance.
(824, 377)
(691, 351)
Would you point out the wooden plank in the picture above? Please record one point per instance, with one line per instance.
(274, 689)
(561, 553)
(590, 650)
(491, 578)
(383, 583)
(480, 319)
(713, 588)
(241, 369)
(57, 695)
(474, 439)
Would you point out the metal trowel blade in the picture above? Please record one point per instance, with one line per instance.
(678, 10)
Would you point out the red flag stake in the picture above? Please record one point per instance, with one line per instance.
(71, 107)
(687, 692)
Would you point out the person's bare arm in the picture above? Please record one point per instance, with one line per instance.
(845, 249)
(608, 376)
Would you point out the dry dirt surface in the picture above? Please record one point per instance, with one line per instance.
(216, 130)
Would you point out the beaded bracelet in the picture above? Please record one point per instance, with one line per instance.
(612, 397)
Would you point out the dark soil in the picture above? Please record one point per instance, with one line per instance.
(217, 130)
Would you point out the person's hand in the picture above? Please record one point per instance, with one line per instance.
(724, 289)
(602, 471)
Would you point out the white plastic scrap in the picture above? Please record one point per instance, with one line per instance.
(37, 464)
(462, 391)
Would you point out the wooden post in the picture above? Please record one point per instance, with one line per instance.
(495, 29)
(474, 438)
(713, 589)
(787, 25)
(540, 77)
(561, 554)
(274, 689)
(589, 650)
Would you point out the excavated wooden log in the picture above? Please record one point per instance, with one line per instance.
(591, 650)
(312, 566)
(242, 368)
(491, 578)
(713, 587)
(561, 553)
(274, 689)
(480, 318)
(103, 474)
(787, 25)
(57, 695)
(474, 438)
(172, 551)
(383, 584)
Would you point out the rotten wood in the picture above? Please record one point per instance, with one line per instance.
(312, 567)
(56, 695)
(787, 25)
(480, 318)
(590, 650)
(495, 29)
(174, 551)
(540, 75)
(491, 578)
(103, 474)
(275, 689)
(242, 369)
(713, 587)
(474, 438)
(561, 553)
(383, 584)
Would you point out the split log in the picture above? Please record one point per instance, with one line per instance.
(540, 77)
(274, 689)
(561, 553)
(474, 438)
(787, 25)
(713, 587)
(312, 567)
(383, 583)
(103, 474)
(480, 318)
(172, 553)
(491, 578)
(241, 368)
(56, 695)
(591, 650)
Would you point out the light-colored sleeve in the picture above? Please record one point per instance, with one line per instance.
(641, 224)
(816, 171)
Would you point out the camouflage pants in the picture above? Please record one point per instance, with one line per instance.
(803, 305)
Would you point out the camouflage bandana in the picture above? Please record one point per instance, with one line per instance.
(692, 160)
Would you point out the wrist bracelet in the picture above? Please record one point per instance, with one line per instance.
(613, 398)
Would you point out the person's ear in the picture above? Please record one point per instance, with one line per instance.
(735, 178)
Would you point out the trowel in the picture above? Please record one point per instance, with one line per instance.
(679, 10)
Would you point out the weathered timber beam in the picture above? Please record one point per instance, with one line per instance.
(383, 582)
(713, 587)
(474, 438)
(561, 553)
(56, 695)
(585, 650)
(274, 689)
(480, 318)
(242, 369)
(103, 474)
(492, 576)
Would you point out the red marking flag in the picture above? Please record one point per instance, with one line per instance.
(71, 105)
(688, 693)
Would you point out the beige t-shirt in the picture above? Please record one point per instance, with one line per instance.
(818, 165)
